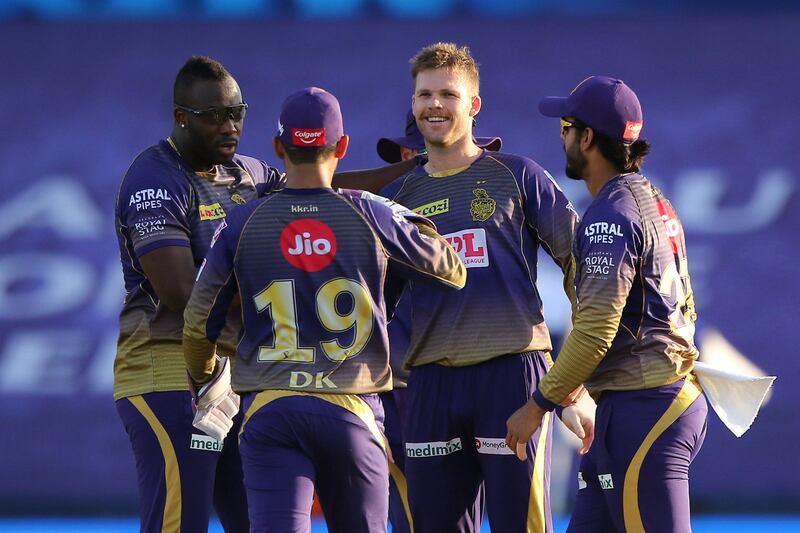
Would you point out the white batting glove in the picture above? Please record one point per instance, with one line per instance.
(215, 404)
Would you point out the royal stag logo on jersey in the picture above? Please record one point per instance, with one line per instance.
(308, 244)
(482, 206)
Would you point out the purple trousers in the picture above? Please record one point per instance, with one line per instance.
(182, 472)
(635, 477)
(292, 444)
(455, 444)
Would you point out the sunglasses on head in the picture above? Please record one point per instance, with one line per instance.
(218, 115)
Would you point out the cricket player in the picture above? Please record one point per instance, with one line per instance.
(393, 150)
(476, 355)
(173, 196)
(312, 265)
(632, 340)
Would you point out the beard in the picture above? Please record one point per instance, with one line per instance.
(576, 162)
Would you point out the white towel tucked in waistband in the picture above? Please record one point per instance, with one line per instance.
(736, 398)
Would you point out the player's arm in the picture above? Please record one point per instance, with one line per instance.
(171, 272)
(372, 180)
(414, 248)
(553, 220)
(207, 308)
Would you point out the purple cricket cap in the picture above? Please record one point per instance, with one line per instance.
(389, 147)
(310, 117)
(606, 104)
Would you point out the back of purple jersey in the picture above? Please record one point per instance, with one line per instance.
(163, 202)
(310, 266)
(496, 213)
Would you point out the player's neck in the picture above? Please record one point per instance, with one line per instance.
(460, 154)
(181, 145)
(308, 176)
(597, 174)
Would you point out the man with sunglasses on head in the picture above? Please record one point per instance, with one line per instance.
(632, 341)
(393, 150)
(172, 199)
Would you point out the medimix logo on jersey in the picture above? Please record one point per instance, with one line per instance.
(205, 443)
(308, 244)
(308, 137)
(602, 232)
(433, 449)
(149, 198)
(470, 245)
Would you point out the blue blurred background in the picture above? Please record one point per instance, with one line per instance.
(87, 85)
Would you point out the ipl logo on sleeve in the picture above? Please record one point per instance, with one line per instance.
(308, 244)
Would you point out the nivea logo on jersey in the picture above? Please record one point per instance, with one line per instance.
(211, 212)
(434, 208)
(602, 232)
(433, 449)
(308, 244)
(149, 198)
(671, 223)
(205, 443)
(492, 446)
(470, 245)
(308, 136)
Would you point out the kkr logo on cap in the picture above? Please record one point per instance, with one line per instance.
(632, 130)
(308, 137)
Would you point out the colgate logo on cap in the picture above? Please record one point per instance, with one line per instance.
(308, 137)
(632, 130)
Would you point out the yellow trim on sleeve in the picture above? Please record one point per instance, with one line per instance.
(402, 488)
(630, 491)
(536, 513)
(350, 402)
(171, 521)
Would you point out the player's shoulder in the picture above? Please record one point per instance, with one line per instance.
(616, 202)
(260, 171)
(154, 174)
(377, 208)
(516, 164)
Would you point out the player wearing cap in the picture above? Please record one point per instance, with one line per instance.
(393, 150)
(171, 199)
(477, 354)
(632, 338)
(310, 265)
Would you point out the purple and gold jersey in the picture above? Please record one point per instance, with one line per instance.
(310, 266)
(634, 327)
(496, 213)
(163, 202)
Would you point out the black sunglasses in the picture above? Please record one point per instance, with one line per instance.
(218, 115)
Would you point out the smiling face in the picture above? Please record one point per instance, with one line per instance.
(211, 141)
(444, 103)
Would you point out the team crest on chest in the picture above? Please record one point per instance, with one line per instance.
(237, 198)
(482, 206)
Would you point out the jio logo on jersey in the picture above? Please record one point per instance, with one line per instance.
(308, 244)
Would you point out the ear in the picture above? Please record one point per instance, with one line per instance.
(341, 146)
(587, 139)
(277, 146)
(179, 115)
(475, 106)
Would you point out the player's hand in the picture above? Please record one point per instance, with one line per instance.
(215, 404)
(521, 425)
(579, 419)
(574, 396)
